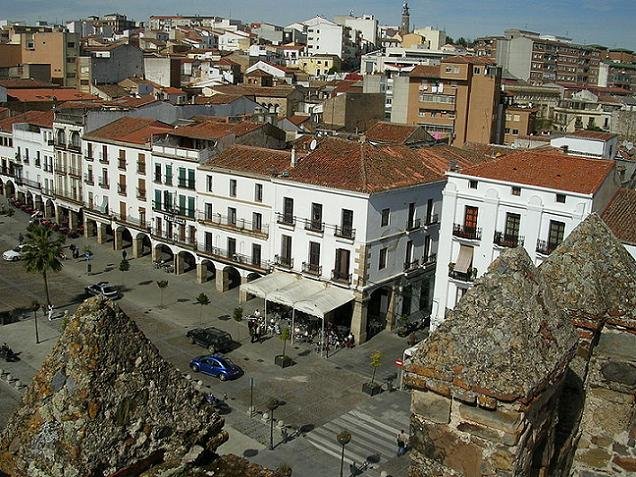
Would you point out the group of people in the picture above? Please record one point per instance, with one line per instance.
(256, 326)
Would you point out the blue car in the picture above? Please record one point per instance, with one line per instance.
(214, 365)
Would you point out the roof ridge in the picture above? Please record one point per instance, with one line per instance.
(363, 168)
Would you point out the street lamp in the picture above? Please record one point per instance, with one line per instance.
(344, 438)
(271, 405)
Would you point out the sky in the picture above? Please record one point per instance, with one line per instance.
(607, 22)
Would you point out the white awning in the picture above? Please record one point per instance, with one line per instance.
(299, 290)
(261, 287)
(328, 299)
(464, 259)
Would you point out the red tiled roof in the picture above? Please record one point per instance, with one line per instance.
(393, 133)
(47, 95)
(599, 135)
(215, 129)
(546, 168)
(440, 157)
(217, 99)
(259, 74)
(38, 118)
(25, 83)
(298, 119)
(362, 167)
(172, 90)
(263, 91)
(129, 130)
(131, 101)
(250, 159)
(425, 71)
(620, 215)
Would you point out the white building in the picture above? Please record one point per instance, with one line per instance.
(325, 37)
(532, 199)
(367, 25)
(396, 60)
(596, 144)
(434, 39)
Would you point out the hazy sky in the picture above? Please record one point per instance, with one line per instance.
(608, 22)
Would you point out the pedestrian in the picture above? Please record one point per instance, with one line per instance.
(402, 440)
(251, 326)
(259, 332)
(124, 254)
(257, 313)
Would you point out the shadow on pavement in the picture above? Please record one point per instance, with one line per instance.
(247, 453)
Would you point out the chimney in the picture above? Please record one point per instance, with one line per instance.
(294, 161)
(565, 148)
(452, 166)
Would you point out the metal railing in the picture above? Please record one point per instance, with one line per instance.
(74, 147)
(121, 189)
(285, 219)
(174, 237)
(312, 269)
(430, 260)
(89, 157)
(546, 248)
(285, 262)
(183, 212)
(157, 179)
(432, 219)
(27, 182)
(141, 193)
(141, 223)
(469, 276)
(141, 168)
(103, 184)
(185, 183)
(345, 232)
(410, 266)
(103, 158)
(506, 240)
(88, 178)
(233, 256)
(74, 171)
(236, 224)
(472, 233)
(413, 224)
(339, 277)
(314, 225)
(121, 164)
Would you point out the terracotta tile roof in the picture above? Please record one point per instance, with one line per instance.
(215, 129)
(38, 118)
(47, 94)
(546, 168)
(362, 167)
(263, 91)
(217, 99)
(250, 159)
(112, 90)
(425, 71)
(131, 101)
(172, 90)
(298, 119)
(25, 83)
(439, 158)
(392, 133)
(258, 74)
(620, 215)
(491, 150)
(129, 130)
(599, 135)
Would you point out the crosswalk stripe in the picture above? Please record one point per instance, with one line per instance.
(371, 434)
(368, 418)
(331, 448)
(361, 445)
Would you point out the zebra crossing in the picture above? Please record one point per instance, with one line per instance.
(372, 441)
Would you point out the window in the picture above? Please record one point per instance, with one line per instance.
(341, 270)
(208, 183)
(516, 190)
(411, 218)
(231, 216)
(516, 118)
(470, 218)
(158, 173)
(168, 175)
(285, 250)
(560, 198)
(257, 221)
(288, 210)
(256, 254)
(232, 187)
(507, 130)
(383, 257)
(472, 184)
(314, 256)
(316, 216)
(515, 131)
(209, 210)
(231, 247)
(191, 207)
(258, 192)
(555, 234)
(512, 226)
(408, 256)
(347, 222)
(427, 248)
(141, 163)
(385, 217)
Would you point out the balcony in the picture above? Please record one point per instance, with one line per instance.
(121, 189)
(469, 276)
(314, 226)
(75, 147)
(504, 240)
(284, 262)
(74, 171)
(27, 182)
(168, 180)
(432, 219)
(244, 260)
(135, 222)
(471, 233)
(174, 237)
(546, 248)
(103, 184)
(413, 224)
(89, 157)
(185, 183)
(345, 232)
(60, 144)
(50, 142)
(429, 261)
(411, 266)
(157, 179)
(121, 164)
(141, 193)
(340, 277)
(103, 158)
(312, 269)
(239, 225)
(141, 168)
(165, 208)
(88, 179)
(285, 219)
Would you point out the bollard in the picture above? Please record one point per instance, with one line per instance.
(17, 384)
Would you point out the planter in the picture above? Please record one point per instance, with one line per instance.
(283, 361)
(371, 389)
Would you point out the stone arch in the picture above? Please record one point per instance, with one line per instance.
(123, 238)
(75, 139)
(207, 270)
(378, 310)
(162, 252)
(1, 186)
(231, 278)
(60, 136)
(185, 261)
(49, 207)
(141, 244)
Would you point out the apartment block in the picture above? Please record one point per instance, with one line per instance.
(108, 64)
(458, 100)
(57, 48)
(519, 122)
(540, 59)
(530, 199)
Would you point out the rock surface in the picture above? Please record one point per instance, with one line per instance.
(103, 401)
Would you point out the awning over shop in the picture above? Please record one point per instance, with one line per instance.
(262, 287)
(464, 259)
(300, 289)
(328, 299)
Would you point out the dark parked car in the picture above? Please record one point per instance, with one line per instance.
(212, 338)
(218, 366)
(104, 289)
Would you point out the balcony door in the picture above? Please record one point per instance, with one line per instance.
(342, 263)
(555, 234)
(314, 256)
(470, 218)
(122, 210)
(511, 233)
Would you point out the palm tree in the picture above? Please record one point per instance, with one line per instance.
(42, 253)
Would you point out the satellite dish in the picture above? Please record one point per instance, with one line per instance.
(313, 144)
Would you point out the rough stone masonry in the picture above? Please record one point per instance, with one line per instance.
(534, 372)
(105, 403)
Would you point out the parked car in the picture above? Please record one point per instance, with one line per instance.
(217, 366)
(104, 289)
(14, 254)
(212, 338)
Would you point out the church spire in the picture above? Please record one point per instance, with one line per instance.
(405, 26)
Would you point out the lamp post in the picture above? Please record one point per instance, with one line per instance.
(271, 405)
(344, 438)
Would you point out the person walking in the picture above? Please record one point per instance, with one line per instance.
(251, 326)
(402, 440)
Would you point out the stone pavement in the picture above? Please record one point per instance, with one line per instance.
(314, 391)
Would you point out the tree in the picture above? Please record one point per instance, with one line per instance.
(124, 265)
(284, 337)
(238, 317)
(42, 254)
(202, 300)
(162, 284)
(35, 306)
(376, 361)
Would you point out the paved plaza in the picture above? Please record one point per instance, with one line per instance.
(319, 396)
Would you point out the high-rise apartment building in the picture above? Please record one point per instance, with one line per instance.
(458, 99)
